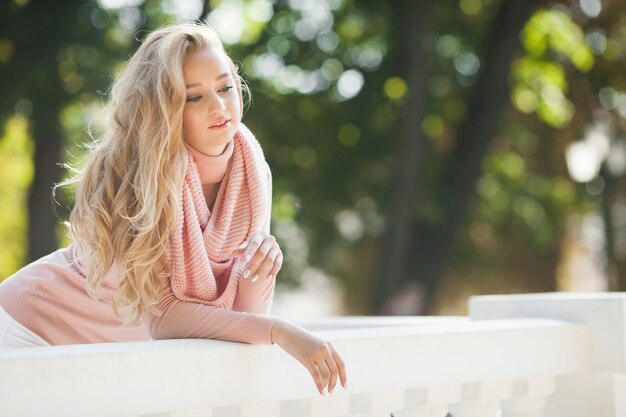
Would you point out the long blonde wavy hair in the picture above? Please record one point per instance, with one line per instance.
(128, 191)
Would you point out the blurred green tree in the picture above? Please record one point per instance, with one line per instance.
(410, 141)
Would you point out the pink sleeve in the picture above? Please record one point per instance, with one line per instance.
(182, 320)
(256, 297)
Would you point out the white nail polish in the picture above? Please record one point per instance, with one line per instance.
(246, 273)
(269, 277)
(248, 257)
(254, 278)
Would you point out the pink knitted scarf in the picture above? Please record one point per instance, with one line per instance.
(203, 269)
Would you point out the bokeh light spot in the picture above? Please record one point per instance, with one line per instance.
(395, 88)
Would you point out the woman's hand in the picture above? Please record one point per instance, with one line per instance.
(262, 255)
(319, 357)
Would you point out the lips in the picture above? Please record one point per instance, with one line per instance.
(220, 123)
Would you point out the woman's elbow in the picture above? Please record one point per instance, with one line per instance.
(156, 329)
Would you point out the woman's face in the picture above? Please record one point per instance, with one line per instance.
(213, 107)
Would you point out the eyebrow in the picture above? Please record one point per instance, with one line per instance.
(224, 75)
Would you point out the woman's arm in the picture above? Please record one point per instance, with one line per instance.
(318, 356)
(254, 297)
(182, 319)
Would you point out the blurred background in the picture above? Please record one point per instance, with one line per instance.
(422, 150)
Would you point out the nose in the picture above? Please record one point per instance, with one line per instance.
(216, 104)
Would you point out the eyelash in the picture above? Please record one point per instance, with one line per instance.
(225, 89)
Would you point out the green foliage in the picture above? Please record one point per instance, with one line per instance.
(550, 37)
(329, 101)
(519, 214)
(16, 151)
(512, 197)
(554, 30)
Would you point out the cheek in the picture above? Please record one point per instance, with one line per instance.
(188, 121)
(235, 105)
(185, 124)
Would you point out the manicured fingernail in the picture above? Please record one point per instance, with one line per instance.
(246, 273)
(269, 277)
(330, 390)
(254, 278)
(248, 258)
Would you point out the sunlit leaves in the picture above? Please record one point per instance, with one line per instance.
(285, 206)
(540, 86)
(240, 22)
(311, 47)
(16, 151)
(550, 38)
(554, 30)
(395, 88)
(511, 196)
(351, 28)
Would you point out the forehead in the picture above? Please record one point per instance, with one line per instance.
(205, 62)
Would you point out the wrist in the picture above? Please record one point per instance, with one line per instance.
(276, 331)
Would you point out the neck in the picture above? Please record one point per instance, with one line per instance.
(212, 168)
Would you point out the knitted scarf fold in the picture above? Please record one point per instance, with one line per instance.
(203, 269)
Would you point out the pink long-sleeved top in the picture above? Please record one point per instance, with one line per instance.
(48, 296)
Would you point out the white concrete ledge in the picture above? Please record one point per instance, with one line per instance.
(604, 313)
(171, 376)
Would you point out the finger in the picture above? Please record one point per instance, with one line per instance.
(317, 377)
(341, 366)
(268, 264)
(253, 246)
(324, 371)
(260, 255)
(330, 362)
(278, 263)
(240, 250)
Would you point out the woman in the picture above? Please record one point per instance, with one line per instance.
(171, 220)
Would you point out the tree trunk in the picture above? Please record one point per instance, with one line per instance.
(607, 202)
(47, 134)
(39, 38)
(417, 18)
(489, 98)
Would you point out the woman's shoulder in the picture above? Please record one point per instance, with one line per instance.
(47, 272)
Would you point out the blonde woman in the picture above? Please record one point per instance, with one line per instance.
(171, 223)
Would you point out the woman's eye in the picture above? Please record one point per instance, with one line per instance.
(228, 87)
(194, 98)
